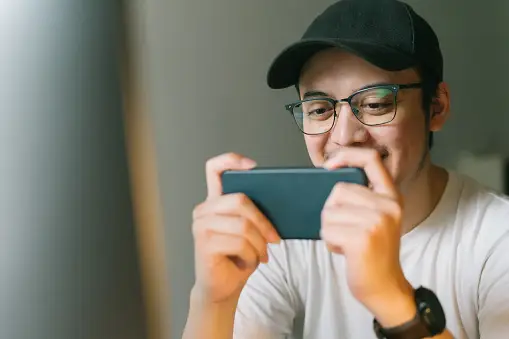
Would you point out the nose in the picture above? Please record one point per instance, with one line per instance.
(347, 130)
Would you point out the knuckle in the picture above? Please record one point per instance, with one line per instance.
(209, 164)
(207, 233)
(325, 232)
(204, 229)
(197, 210)
(243, 245)
(368, 237)
(341, 189)
(230, 155)
(325, 215)
(382, 219)
(396, 210)
(212, 164)
(244, 226)
(240, 199)
(338, 187)
(197, 229)
(229, 158)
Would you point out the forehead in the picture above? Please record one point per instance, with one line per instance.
(339, 72)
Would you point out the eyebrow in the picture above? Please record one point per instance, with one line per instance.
(374, 84)
(311, 94)
(314, 93)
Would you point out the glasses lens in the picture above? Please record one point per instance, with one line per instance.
(375, 106)
(314, 116)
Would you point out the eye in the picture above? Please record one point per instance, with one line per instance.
(376, 105)
(318, 109)
(374, 102)
(375, 108)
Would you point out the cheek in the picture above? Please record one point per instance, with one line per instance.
(411, 137)
(315, 145)
(405, 142)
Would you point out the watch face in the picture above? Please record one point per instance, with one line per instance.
(431, 311)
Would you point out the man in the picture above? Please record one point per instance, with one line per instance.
(420, 253)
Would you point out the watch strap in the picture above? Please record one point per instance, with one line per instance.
(429, 319)
(413, 329)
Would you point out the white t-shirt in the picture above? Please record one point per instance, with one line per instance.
(461, 252)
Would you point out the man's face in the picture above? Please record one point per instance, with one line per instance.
(402, 143)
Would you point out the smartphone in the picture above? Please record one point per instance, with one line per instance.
(291, 198)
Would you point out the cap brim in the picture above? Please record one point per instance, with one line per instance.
(286, 68)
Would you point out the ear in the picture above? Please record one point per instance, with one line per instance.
(440, 108)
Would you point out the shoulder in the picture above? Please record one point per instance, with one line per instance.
(483, 219)
(486, 212)
(484, 208)
(473, 191)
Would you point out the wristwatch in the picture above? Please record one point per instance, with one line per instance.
(428, 322)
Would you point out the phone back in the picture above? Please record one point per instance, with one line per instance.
(291, 198)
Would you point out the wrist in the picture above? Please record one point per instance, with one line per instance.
(428, 321)
(200, 299)
(209, 319)
(395, 309)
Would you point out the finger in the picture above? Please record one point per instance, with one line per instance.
(348, 215)
(207, 229)
(371, 162)
(353, 194)
(334, 249)
(357, 222)
(238, 249)
(356, 195)
(339, 238)
(215, 167)
(340, 226)
(239, 204)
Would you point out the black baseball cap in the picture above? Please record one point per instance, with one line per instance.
(387, 33)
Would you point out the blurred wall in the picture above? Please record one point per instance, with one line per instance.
(474, 38)
(205, 64)
(68, 252)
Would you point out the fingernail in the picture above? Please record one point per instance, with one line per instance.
(248, 162)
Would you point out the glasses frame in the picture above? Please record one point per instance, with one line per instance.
(392, 87)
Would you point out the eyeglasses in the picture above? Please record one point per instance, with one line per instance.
(372, 106)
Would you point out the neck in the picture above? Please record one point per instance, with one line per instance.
(422, 194)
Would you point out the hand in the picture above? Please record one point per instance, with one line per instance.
(230, 235)
(364, 225)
